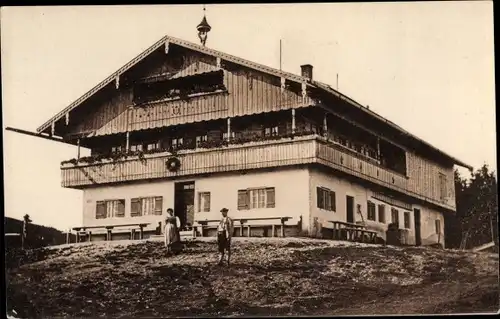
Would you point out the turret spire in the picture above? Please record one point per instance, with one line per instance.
(203, 28)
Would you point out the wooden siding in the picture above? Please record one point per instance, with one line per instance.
(424, 179)
(248, 92)
(250, 156)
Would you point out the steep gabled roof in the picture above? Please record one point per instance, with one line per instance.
(256, 66)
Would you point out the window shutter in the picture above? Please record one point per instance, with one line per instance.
(206, 202)
(333, 201)
(120, 212)
(381, 213)
(158, 205)
(243, 199)
(199, 202)
(319, 195)
(100, 211)
(135, 207)
(270, 197)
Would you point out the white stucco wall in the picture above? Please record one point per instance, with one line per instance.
(362, 194)
(291, 196)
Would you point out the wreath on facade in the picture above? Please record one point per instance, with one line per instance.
(173, 164)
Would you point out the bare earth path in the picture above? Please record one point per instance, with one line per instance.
(268, 277)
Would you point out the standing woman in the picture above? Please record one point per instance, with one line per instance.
(172, 239)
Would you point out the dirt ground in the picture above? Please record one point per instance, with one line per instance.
(270, 277)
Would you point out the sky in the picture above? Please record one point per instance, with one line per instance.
(428, 67)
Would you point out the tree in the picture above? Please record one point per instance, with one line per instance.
(24, 235)
(477, 210)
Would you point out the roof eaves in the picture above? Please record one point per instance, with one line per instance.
(329, 89)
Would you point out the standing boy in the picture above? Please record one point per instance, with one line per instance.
(224, 234)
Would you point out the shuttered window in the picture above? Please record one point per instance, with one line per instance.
(204, 201)
(143, 206)
(100, 212)
(110, 208)
(438, 226)
(371, 211)
(395, 216)
(381, 213)
(325, 199)
(407, 220)
(256, 198)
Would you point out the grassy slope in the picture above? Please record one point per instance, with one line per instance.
(267, 277)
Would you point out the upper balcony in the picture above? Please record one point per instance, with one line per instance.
(238, 155)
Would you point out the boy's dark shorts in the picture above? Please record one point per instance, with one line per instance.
(223, 242)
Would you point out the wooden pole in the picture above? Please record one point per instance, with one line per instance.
(228, 129)
(293, 120)
(127, 146)
(78, 152)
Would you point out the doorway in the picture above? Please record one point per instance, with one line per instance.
(418, 235)
(184, 203)
(350, 208)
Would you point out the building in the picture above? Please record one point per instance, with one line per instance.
(192, 128)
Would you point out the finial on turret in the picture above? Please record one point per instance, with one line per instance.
(203, 28)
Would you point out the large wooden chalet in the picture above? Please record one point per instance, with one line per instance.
(195, 129)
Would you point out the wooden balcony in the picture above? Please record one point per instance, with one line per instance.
(251, 155)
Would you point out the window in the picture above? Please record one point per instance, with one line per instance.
(442, 186)
(153, 146)
(177, 142)
(407, 220)
(204, 201)
(325, 199)
(271, 131)
(136, 147)
(371, 211)
(256, 198)
(381, 213)
(116, 149)
(201, 138)
(438, 226)
(395, 216)
(225, 136)
(146, 206)
(110, 209)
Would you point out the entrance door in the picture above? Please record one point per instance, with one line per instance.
(418, 235)
(350, 208)
(184, 202)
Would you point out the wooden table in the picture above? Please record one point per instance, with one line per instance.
(109, 229)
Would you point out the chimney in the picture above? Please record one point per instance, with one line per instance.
(307, 71)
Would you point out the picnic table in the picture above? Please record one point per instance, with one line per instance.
(247, 222)
(109, 230)
(353, 231)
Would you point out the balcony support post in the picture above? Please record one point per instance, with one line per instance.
(127, 145)
(378, 147)
(293, 121)
(78, 150)
(325, 126)
(228, 129)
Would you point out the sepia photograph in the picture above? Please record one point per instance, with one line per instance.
(238, 160)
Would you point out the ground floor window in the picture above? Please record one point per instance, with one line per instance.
(395, 216)
(204, 201)
(256, 198)
(407, 220)
(371, 211)
(110, 208)
(142, 206)
(325, 199)
(381, 213)
(438, 226)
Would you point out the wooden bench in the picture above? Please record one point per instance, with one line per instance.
(355, 233)
(280, 222)
(86, 230)
(241, 223)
